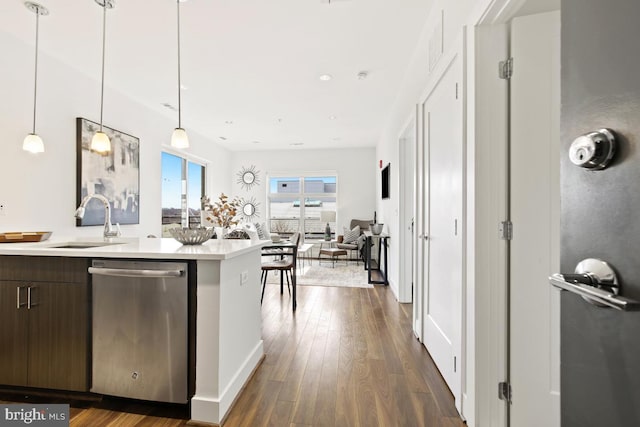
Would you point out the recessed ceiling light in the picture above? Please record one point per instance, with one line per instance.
(362, 75)
(169, 106)
(222, 138)
(228, 122)
(256, 142)
(332, 117)
(325, 77)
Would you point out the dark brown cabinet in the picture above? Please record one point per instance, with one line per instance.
(44, 322)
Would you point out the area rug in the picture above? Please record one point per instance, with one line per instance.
(347, 276)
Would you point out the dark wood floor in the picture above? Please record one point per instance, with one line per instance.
(347, 357)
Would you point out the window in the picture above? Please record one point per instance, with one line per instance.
(288, 214)
(182, 187)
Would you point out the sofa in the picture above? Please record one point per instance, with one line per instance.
(352, 242)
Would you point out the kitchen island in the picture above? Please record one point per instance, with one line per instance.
(228, 342)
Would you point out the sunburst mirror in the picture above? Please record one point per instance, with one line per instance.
(248, 177)
(249, 209)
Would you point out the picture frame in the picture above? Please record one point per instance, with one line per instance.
(115, 175)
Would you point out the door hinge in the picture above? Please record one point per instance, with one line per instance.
(455, 364)
(506, 230)
(505, 69)
(456, 90)
(504, 391)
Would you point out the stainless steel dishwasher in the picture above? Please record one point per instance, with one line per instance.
(140, 330)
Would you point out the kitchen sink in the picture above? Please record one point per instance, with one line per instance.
(81, 245)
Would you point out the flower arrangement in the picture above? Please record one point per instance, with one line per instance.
(222, 212)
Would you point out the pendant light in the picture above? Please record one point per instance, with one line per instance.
(32, 142)
(179, 138)
(100, 141)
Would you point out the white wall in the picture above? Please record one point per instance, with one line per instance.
(39, 191)
(357, 191)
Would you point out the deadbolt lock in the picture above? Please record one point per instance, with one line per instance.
(593, 150)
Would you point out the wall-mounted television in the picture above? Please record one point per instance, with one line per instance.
(386, 177)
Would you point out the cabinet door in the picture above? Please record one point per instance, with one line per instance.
(59, 336)
(13, 335)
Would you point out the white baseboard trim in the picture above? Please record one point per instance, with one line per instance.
(213, 409)
(394, 289)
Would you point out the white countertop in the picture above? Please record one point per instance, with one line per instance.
(127, 247)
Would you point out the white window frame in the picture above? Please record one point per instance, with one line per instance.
(301, 195)
(187, 158)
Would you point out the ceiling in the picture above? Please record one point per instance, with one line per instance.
(251, 67)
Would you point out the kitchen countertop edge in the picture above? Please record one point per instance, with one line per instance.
(152, 248)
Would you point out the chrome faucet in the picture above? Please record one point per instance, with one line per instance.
(108, 228)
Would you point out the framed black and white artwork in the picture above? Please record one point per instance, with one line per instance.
(115, 175)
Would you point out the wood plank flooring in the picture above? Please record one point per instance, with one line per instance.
(347, 357)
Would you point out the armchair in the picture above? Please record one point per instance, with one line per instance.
(356, 244)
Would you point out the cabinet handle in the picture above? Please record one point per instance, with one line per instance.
(19, 304)
(30, 303)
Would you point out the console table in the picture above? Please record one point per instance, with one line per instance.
(376, 264)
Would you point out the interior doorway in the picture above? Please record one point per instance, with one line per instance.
(407, 145)
(441, 226)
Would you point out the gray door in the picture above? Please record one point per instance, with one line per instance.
(600, 211)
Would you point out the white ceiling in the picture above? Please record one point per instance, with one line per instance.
(253, 62)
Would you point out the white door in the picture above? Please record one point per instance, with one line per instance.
(443, 124)
(535, 213)
(407, 195)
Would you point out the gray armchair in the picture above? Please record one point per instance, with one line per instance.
(358, 244)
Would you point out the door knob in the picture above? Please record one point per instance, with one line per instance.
(593, 150)
(596, 282)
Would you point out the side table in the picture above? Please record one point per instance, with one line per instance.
(376, 265)
(303, 253)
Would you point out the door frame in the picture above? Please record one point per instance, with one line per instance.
(487, 337)
(408, 200)
(422, 219)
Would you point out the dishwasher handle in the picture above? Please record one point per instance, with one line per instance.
(126, 272)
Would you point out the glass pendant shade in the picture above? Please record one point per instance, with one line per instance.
(33, 144)
(100, 143)
(179, 138)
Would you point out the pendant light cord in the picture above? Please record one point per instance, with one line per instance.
(179, 81)
(35, 83)
(104, 31)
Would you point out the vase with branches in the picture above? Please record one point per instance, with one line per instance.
(223, 212)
